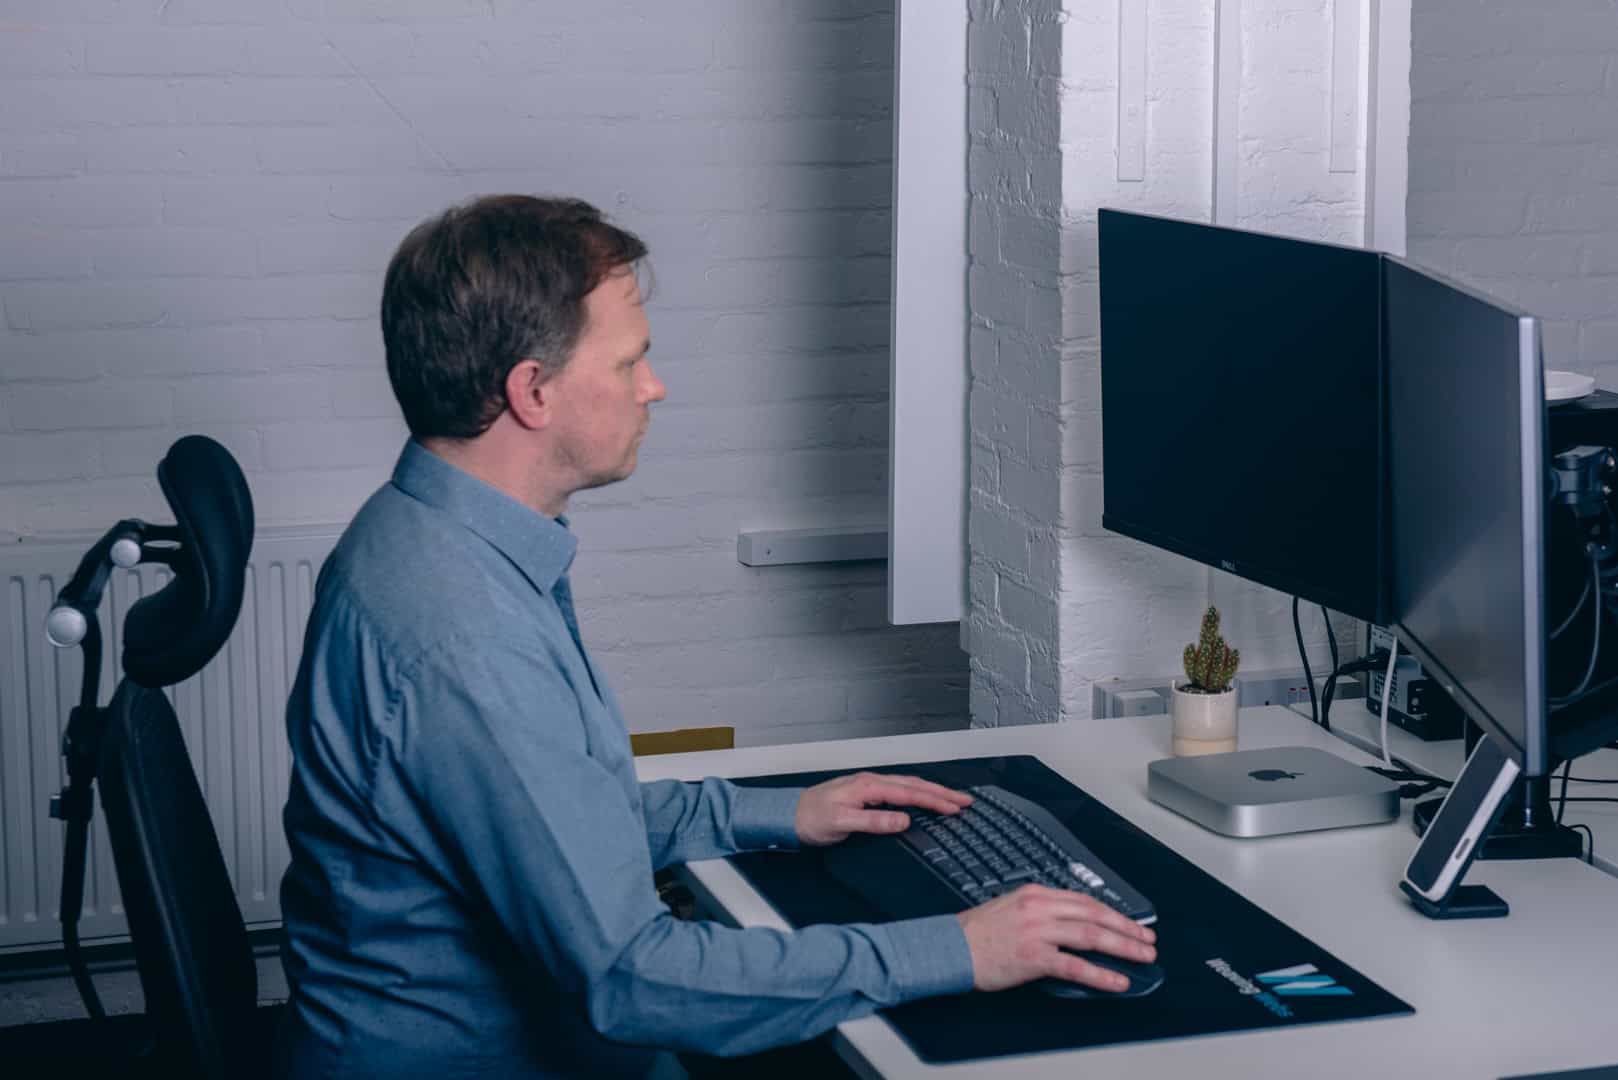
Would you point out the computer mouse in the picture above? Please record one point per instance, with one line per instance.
(1143, 978)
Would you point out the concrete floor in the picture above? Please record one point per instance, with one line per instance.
(32, 1001)
(28, 1001)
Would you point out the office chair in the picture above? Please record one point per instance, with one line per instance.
(191, 948)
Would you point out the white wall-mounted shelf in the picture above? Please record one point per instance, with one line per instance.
(782, 547)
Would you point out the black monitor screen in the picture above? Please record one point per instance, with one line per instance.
(1465, 434)
(1241, 394)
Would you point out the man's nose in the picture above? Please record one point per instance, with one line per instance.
(654, 390)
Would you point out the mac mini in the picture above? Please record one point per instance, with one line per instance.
(1267, 792)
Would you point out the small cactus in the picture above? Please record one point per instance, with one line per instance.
(1210, 664)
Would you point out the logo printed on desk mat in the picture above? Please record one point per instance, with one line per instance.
(1304, 980)
(1301, 980)
(1250, 989)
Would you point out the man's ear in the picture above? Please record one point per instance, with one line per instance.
(528, 394)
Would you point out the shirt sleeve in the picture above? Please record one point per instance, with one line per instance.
(714, 818)
(490, 755)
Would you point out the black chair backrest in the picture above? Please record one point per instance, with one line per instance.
(196, 964)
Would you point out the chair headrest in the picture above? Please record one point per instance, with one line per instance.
(170, 635)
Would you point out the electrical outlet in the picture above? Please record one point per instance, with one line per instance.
(1149, 695)
(1111, 698)
(1275, 686)
(1140, 703)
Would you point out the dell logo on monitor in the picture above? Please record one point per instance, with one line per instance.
(1226, 564)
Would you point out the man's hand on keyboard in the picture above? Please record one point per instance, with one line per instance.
(1018, 937)
(829, 812)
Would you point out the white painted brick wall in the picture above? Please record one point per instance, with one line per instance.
(1514, 164)
(197, 199)
(1014, 239)
(1056, 603)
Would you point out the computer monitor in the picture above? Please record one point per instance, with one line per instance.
(1466, 444)
(1242, 418)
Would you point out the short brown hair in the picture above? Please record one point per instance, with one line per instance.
(480, 287)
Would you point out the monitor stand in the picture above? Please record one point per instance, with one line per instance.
(1527, 828)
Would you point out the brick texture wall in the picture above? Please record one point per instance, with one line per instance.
(1058, 603)
(1014, 240)
(1514, 163)
(197, 198)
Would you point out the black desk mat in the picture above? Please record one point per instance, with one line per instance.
(1212, 943)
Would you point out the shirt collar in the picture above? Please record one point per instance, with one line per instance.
(541, 547)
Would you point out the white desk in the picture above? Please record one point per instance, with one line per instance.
(1534, 992)
(1351, 720)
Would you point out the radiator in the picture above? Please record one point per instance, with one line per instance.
(232, 713)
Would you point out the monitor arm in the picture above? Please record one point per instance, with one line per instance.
(1579, 480)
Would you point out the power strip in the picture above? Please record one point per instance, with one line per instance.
(1149, 695)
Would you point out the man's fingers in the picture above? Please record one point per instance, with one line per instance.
(1076, 969)
(1102, 915)
(949, 794)
(1069, 906)
(1093, 937)
(874, 821)
(889, 790)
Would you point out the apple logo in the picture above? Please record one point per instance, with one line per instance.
(1274, 774)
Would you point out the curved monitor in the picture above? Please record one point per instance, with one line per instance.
(1466, 431)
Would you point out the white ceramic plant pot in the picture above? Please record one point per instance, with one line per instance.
(1203, 723)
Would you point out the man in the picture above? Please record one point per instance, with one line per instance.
(471, 882)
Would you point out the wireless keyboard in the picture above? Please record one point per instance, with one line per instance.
(1002, 841)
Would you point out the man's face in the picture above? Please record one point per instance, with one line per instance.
(603, 393)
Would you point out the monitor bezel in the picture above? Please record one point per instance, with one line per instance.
(1532, 749)
(1306, 591)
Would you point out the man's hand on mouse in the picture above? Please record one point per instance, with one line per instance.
(828, 813)
(1019, 937)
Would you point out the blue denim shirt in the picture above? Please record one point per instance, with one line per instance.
(471, 891)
